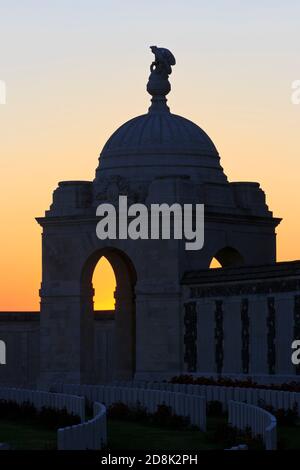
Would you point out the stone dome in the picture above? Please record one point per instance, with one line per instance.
(160, 133)
(160, 143)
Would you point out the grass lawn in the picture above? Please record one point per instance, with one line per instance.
(289, 437)
(121, 435)
(124, 435)
(22, 436)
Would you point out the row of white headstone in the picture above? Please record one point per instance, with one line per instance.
(181, 404)
(86, 435)
(261, 422)
(90, 435)
(253, 396)
(241, 415)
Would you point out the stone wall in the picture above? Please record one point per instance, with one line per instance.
(242, 320)
(235, 321)
(20, 332)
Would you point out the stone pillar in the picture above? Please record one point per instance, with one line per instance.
(206, 341)
(124, 334)
(190, 337)
(232, 336)
(66, 334)
(284, 304)
(258, 335)
(159, 333)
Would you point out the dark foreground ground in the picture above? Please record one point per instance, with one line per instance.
(123, 435)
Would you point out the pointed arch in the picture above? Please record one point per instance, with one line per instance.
(227, 257)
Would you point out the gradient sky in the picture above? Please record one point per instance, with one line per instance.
(76, 70)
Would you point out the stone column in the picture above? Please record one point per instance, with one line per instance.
(66, 334)
(258, 335)
(159, 333)
(284, 332)
(124, 334)
(206, 341)
(232, 336)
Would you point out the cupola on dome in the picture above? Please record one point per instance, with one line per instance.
(159, 142)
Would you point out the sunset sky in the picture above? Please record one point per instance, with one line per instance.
(76, 70)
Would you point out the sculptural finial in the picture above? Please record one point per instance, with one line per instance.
(158, 84)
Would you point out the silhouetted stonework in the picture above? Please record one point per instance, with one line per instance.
(297, 325)
(190, 336)
(248, 317)
(158, 157)
(246, 289)
(245, 335)
(271, 335)
(219, 336)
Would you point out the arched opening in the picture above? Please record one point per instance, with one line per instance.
(226, 257)
(124, 315)
(104, 285)
(214, 264)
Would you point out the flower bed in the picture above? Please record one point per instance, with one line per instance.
(229, 382)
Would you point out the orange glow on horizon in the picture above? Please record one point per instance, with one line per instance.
(74, 75)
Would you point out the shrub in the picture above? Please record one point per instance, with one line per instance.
(228, 436)
(139, 413)
(55, 419)
(284, 417)
(162, 417)
(121, 411)
(26, 412)
(118, 411)
(215, 408)
(12, 410)
(223, 435)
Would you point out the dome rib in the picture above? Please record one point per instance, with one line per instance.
(160, 132)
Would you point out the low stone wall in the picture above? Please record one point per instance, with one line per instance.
(242, 320)
(182, 404)
(261, 422)
(252, 396)
(90, 435)
(21, 333)
(39, 399)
